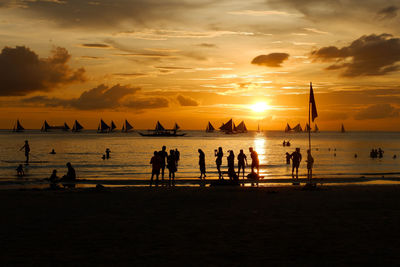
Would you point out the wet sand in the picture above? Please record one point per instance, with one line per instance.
(335, 225)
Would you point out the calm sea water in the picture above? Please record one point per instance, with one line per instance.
(131, 153)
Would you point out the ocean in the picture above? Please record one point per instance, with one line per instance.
(333, 153)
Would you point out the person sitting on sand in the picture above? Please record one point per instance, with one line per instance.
(27, 150)
(254, 161)
(171, 165)
(296, 159)
(20, 170)
(69, 177)
(202, 165)
(108, 151)
(156, 166)
(310, 164)
(52, 152)
(287, 158)
(53, 180)
(242, 162)
(231, 165)
(219, 154)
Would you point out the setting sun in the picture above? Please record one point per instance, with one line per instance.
(259, 107)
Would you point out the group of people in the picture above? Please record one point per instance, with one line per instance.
(376, 153)
(162, 160)
(286, 143)
(67, 180)
(296, 158)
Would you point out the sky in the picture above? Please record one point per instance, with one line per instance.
(196, 61)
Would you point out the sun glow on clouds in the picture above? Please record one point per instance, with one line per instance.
(259, 107)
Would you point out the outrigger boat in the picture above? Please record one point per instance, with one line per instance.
(160, 131)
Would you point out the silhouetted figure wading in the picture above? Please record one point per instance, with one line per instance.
(231, 165)
(171, 167)
(255, 163)
(163, 157)
(296, 159)
(156, 166)
(219, 154)
(202, 165)
(20, 170)
(310, 164)
(242, 162)
(27, 150)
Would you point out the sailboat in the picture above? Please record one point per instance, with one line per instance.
(103, 127)
(210, 128)
(126, 127)
(288, 128)
(228, 128)
(241, 128)
(316, 129)
(113, 126)
(342, 129)
(66, 127)
(297, 128)
(18, 127)
(258, 128)
(160, 131)
(45, 127)
(77, 127)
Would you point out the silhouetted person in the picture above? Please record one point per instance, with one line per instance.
(202, 165)
(394, 156)
(108, 151)
(171, 167)
(20, 170)
(380, 153)
(156, 166)
(242, 162)
(52, 152)
(288, 158)
(27, 150)
(163, 157)
(310, 164)
(103, 157)
(177, 156)
(355, 155)
(219, 154)
(287, 143)
(296, 159)
(284, 143)
(231, 165)
(254, 161)
(53, 180)
(70, 177)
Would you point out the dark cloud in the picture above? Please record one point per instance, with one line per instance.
(23, 72)
(103, 14)
(388, 12)
(270, 60)
(96, 45)
(186, 101)
(368, 55)
(378, 111)
(102, 97)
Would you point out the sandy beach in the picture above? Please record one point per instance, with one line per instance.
(335, 225)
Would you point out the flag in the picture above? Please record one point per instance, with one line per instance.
(314, 113)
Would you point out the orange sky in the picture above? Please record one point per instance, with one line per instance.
(199, 61)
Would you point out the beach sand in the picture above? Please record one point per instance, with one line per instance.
(335, 225)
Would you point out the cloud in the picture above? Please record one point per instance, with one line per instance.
(23, 72)
(102, 97)
(207, 45)
(368, 55)
(270, 60)
(259, 13)
(130, 75)
(378, 111)
(186, 101)
(95, 45)
(388, 12)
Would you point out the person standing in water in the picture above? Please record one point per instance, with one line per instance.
(20, 170)
(231, 165)
(108, 151)
(171, 161)
(255, 163)
(156, 165)
(177, 156)
(27, 150)
(310, 164)
(163, 157)
(296, 159)
(202, 165)
(242, 162)
(288, 158)
(219, 154)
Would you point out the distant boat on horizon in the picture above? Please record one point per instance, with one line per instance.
(46, 127)
(77, 127)
(113, 126)
(210, 128)
(103, 127)
(342, 129)
(230, 127)
(316, 129)
(287, 128)
(18, 127)
(160, 131)
(126, 127)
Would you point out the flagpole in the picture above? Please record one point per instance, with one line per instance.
(309, 127)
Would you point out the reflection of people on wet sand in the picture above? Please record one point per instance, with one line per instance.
(20, 170)
(242, 162)
(219, 154)
(52, 152)
(156, 165)
(202, 165)
(171, 165)
(310, 164)
(53, 180)
(296, 159)
(108, 151)
(70, 177)
(163, 156)
(27, 150)
(254, 161)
